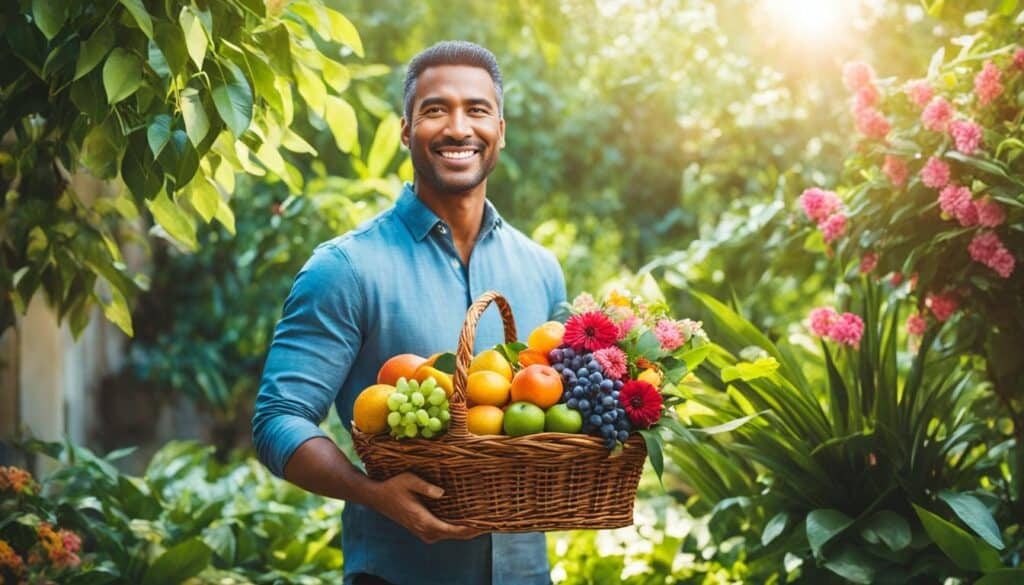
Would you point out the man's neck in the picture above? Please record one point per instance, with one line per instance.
(463, 212)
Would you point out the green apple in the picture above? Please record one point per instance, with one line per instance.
(562, 419)
(523, 418)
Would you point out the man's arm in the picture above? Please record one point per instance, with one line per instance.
(314, 345)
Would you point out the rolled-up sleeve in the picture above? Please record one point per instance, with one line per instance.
(314, 346)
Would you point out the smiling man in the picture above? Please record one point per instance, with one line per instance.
(401, 283)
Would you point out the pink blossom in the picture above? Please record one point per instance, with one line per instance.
(987, 85)
(72, 543)
(896, 170)
(612, 361)
(833, 227)
(896, 279)
(871, 123)
(1002, 262)
(866, 97)
(858, 74)
(990, 213)
(916, 325)
(627, 325)
(988, 249)
(919, 92)
(968, 215)
(954, 198)
(1018, 58)
(966, 135)
(821, 319)
(584, 303)
(868, 262)
(847, 329)
(818, 204)
(937, 115)
(935, 173)
(668, 334)
(943, 306)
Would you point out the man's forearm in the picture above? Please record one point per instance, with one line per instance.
(320, 467)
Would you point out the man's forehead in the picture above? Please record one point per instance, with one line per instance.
(456, 80)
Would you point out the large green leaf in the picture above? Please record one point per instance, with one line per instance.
(385, 145)
(173, 220)
(179, 159)
(195, 35)
(311, 88)
(158, 133)
(122, 75)
(233, 100)
(49, 16)
(975, 515)
(968, 552)
(888, 527)
(197, 124)
(343, 31)
(747, 371)
(823, 525)
(653, 442)
(1013, 576)
(138, 169)
(141, 16)
(853, 565)
(93, 50)
(774, 528)
(180, 563)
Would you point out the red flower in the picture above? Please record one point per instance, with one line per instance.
(590, 331)
(642, 403)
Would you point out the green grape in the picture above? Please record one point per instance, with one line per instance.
(409, 418)
(393, 401)
(398, 397)
(427, 433)
(434, 424)
(417, 398)
(394, 419)
(428, 385)
(411, 431)
(433, 411)
(422, 417)
(407, 407)
(445, 405)
(437, 396)
(414, 385)
(444, 416)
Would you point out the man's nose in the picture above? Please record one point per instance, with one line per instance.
(459, 127)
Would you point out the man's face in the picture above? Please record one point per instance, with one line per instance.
(455, 131)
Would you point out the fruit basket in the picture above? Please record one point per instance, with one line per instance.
(537, 482)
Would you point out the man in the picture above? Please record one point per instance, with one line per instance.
(401, 283)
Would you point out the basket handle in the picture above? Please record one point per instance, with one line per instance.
(464, 355)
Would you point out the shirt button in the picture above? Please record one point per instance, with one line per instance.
(456, 264)
(441, 229)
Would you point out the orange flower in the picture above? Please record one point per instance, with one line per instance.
(16, 479)
(10, 559)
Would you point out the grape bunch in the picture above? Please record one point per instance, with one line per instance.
(588, 391)
(417, 409)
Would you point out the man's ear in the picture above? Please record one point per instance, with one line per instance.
(405, 132)
(501, 141)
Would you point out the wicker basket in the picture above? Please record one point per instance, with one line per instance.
(545, 481)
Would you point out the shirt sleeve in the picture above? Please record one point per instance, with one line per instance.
(557, 289)
(314, 346)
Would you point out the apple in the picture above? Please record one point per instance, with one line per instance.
(562, 419)
(523, 418)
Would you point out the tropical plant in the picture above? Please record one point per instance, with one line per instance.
(852, 460)
(171, 99)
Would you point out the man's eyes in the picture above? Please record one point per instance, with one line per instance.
(439, 110)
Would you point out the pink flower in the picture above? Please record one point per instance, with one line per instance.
(968, 215)
(668, 334)
(868, 262)
(818, 204)
(955, 199)
(1018, 58)
(919, 92)
(916, 325)
(833, 227)
(987, 85)
(858, 74)
(866, 97)
(988, 249)
(943, 306)
(627, 325)
(72, 543)
(612, 361)
(821, 319)
(937, 114)
(847, 329)
(584, 303)
(935, 173)
(896, 170)
(1002, 262)
(966, 135)
(871, 123)
(990, 213)
(896, 279)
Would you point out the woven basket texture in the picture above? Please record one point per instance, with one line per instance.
(540, 482)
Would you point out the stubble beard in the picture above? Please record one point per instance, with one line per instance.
(428, 173)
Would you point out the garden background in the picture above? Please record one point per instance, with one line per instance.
(834, 188)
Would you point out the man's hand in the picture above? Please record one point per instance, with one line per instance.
(398, 499)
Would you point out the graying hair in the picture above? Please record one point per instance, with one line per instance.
(450, 53)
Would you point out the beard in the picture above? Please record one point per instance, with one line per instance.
(431, 171)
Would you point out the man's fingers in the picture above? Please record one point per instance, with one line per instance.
(423, 487)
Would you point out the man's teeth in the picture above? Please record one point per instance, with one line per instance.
(459, 154)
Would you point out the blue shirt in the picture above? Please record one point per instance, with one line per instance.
(396, 284)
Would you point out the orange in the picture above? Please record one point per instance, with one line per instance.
(402, 365)
(487, 388)
(443, 380)
(370, 411)
(528, 357)
(492, 361)
(485, 420)
(546, 337)
(537, 384)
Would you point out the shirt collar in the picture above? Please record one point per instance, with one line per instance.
(420, 219)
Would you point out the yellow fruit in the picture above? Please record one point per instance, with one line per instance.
(370, 411)
(487, 388)
(443, 380)
(651, 376)
(491, 361)
(546, 337)
(485, 420)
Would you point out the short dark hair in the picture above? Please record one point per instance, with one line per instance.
(450, 53)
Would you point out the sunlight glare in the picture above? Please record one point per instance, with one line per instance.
(820, 19)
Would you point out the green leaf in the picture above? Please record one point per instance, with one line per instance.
(968, 552)
(343, 31)
(445, 362)
(774, 528)
(1013, 576)
(172, 44)
(385, 145)
(823, 525)
(117, 312)
(336, 75)
(122, 75)
(204, 197)
(138, 169)
(311, 88)
(195, 35)
(100, 150)
(975, 515)
(179, 159)
(138, 11)
(93, 50)
(653, 441)
(729, 426)
(173, 220)
(510, 351)
(341, 119)
(747, 371)
(179, 563)
(49, 16)
(158, 133)
(233, 100)
(225, 216)
(888, 527)
(853, 565)
(696, 356)
(196, 122)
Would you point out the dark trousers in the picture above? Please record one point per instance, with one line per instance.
(364, 579)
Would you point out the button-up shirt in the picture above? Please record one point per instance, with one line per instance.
(394, 285)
